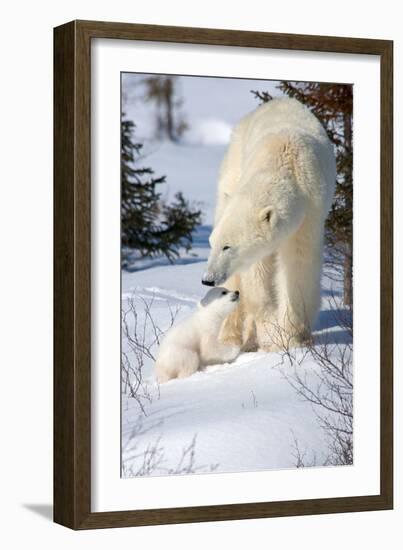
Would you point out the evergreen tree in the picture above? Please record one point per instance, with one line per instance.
(149, 225)
(333, 106)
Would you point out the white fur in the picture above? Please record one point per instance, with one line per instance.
(193, 343)
(275, 189)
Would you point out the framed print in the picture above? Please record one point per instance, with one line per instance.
(223, 275)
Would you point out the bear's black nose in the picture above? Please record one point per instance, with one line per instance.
(237, 292)
(207, 283)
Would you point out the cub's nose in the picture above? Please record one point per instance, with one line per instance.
(235, 296)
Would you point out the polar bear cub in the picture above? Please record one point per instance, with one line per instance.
(193, 343)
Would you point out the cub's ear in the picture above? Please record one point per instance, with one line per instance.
(266, 213)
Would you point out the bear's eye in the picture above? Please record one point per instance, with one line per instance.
(224, 292)
(226, 248)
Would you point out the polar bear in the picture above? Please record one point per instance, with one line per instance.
(193, 343)
(275, 189)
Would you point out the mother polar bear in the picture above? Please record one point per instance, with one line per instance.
(275, 189)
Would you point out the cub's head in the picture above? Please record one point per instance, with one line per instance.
(220, 301)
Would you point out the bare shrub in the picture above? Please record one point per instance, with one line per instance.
(255, 402)
(151, 461)
(328, 386)
(141, 334)
(300, 456)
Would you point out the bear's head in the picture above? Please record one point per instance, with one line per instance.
(220, 301)
(250, 228)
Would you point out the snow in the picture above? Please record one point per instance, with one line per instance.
(243, 416)
(211, 131)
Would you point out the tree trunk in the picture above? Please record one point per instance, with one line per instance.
(348, 260)
(169, 110)
(348, 277)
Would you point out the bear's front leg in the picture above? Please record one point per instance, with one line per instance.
(298, 286)
(249, 341)
(231, 330)
(239, 331)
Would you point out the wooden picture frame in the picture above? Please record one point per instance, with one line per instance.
(72, 271)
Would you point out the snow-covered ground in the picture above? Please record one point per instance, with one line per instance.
(242, 416)
(229, 418)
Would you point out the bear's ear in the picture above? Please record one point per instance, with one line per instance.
(266, 214)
